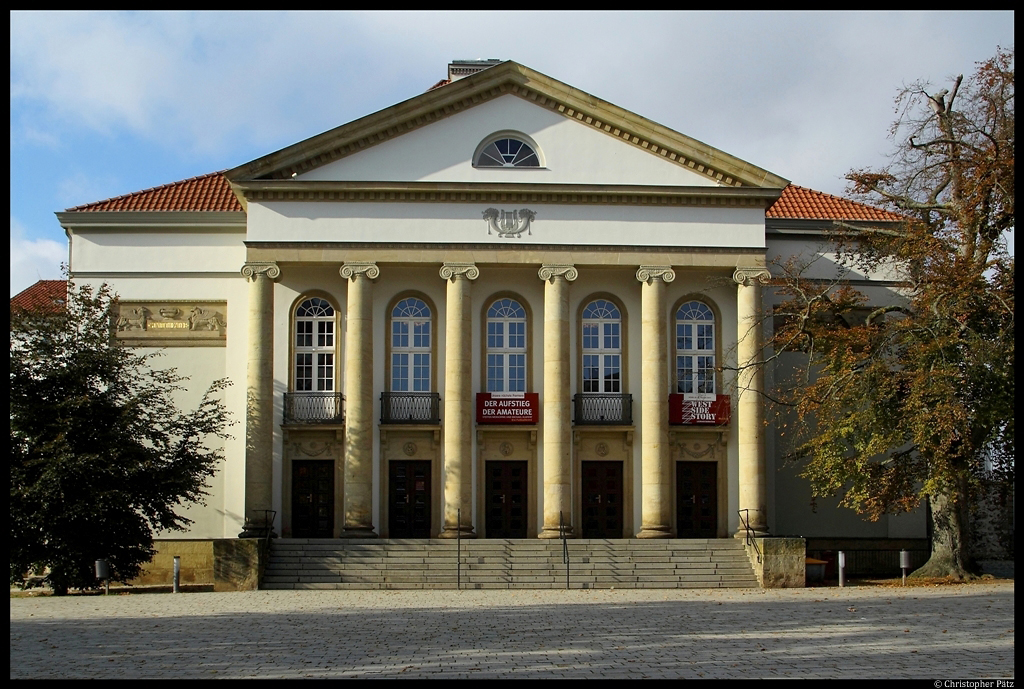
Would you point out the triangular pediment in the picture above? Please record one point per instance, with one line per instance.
(703, 164)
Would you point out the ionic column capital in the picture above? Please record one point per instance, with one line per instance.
(256, 269)
(650, 273)
(452, 271)
(746, 276)
(350, 271)
(549, 271)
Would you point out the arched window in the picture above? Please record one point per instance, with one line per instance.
(506, 151)
(314, 346)
(695, 348)
(506, 347)
(602, 347)
(410, 346)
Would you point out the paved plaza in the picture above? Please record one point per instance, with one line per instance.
(855, 632)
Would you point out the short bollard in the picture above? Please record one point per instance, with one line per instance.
(103, 574)
(904, 564)
(842, 568)
(177, 572)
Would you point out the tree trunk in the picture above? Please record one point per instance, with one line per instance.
(950, 537)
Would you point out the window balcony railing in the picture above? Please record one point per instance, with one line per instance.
(410, 407)
(314, 407)
(607, 410)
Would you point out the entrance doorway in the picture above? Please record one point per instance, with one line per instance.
(409, 499)
(602, 499)
(313, 498)
(506, 499)
(697, 499)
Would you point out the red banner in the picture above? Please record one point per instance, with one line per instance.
(507, 407)
(703, 410)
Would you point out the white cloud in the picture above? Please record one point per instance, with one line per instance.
(34, 259)
(201, 83)
(806, 95)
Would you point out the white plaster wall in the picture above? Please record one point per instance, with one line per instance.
(576, 225)
(221, 517)
(817, 257)
(105, 251)
(790, 508)
(572, 152)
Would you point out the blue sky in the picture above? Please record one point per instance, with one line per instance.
(106, 103)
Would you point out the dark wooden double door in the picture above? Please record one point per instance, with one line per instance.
(697, 499)
(409, 499)
(505, 495)
(602, 500)
(313, 498)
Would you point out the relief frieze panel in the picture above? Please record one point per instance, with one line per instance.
(171, 323)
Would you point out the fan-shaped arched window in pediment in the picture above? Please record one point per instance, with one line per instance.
(507, 150)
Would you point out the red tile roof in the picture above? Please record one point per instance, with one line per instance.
(212, 193)
(806, 204)
(44, 296)
(439, 84)
(205, 193)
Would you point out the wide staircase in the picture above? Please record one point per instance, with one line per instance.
(505, 564)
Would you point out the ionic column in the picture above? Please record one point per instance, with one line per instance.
(458, 401)
(557, 399)
(750, 406)
(656, 491)
(259, 421)
(359, 400)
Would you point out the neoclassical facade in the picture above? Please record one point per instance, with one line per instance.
(503, 308)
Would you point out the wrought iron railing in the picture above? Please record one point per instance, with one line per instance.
(563, 533)
(607, 410)
(314, 407)
(750, 536)
(410, 407)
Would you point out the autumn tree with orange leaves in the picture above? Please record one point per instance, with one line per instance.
(909, 397)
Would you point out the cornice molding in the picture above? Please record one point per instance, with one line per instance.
(501, 248)
(508, 193)
(206, 220)
(508, 78)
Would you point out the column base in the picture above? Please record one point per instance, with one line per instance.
(553, 532)
(453, 533)
(656, 531)
(257, 528)
(755, 532)
(358, 532)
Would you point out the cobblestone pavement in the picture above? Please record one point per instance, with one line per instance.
(855, 632)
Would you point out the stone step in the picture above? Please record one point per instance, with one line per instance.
(509, 585)
(531, 563)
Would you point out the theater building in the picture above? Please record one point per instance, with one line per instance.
(498, 309)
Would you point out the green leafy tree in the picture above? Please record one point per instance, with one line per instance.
(101, 458)
(909, 396)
